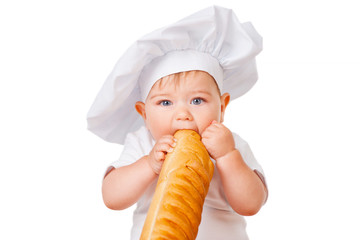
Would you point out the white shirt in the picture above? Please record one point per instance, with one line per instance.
(219, 220)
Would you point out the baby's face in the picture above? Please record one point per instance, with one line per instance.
(188, 100)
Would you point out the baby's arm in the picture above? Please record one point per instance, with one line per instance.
(244, 190)
(123, 186)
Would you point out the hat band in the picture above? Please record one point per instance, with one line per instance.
(175, 62)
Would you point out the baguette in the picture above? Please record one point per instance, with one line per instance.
(176, 207)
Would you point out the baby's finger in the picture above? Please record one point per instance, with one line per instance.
(164, 147)
(159, 156)
(209, 132)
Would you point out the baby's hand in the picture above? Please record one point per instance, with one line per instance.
(157, 155)
(218, 140)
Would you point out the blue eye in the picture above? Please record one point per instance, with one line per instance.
(165, 103)
(197, 101)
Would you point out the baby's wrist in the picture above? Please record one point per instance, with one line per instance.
(227, 155)
(150, 166)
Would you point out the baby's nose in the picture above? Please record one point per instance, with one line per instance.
(183, 114)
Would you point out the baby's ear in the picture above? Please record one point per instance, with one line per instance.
(140, 108)
(225, 99)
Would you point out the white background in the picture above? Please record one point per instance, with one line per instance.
(301, 118)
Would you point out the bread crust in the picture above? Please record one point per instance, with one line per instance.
(176, 207)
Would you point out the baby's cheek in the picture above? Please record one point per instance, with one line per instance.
(203, 127)
(157, 130)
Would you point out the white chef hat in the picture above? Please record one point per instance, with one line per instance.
(211, 40)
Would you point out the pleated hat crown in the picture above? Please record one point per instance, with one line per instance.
(211, 40)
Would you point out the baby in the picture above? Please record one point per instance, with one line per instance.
(184, 90)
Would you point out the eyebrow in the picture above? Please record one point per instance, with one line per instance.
(201, 91)
(165, 95)
(159, 95)
(195, 92)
